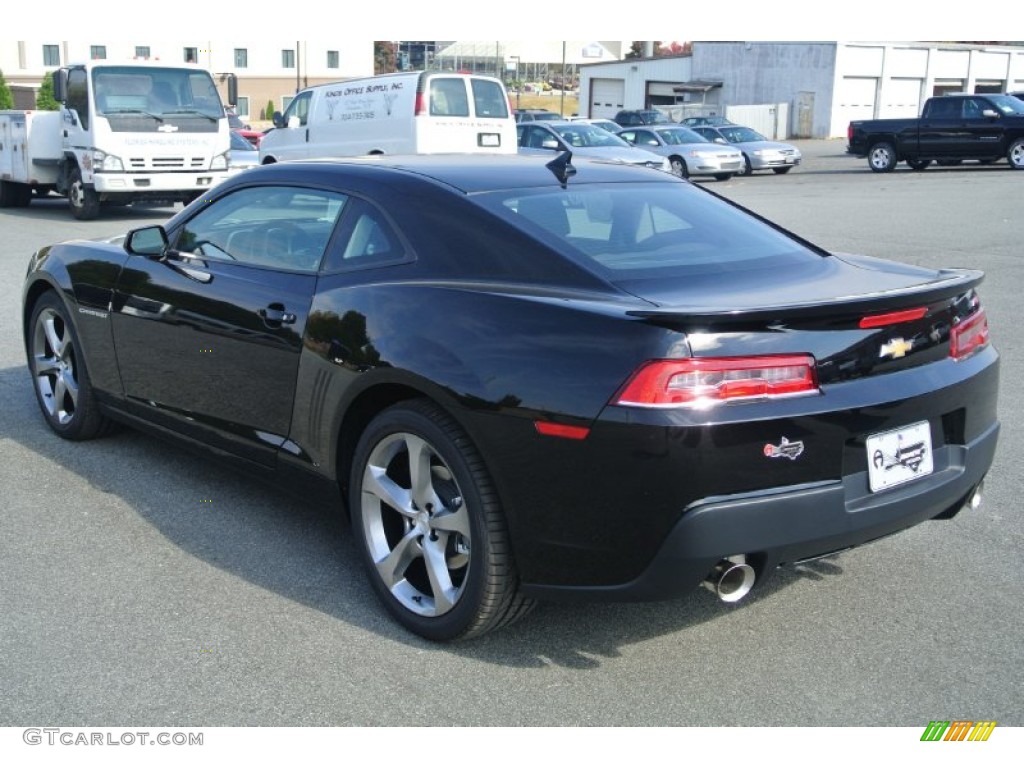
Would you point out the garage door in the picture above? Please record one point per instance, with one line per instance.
(606, 97)
(855, 101)
(901, 97)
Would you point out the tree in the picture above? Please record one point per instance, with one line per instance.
(270, 110)
(384, 57)
(6, 97)
(45, 99)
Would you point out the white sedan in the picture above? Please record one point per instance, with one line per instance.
(759, 152)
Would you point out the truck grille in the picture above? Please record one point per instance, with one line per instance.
(166, 163)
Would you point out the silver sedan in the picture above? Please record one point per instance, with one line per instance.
(689, 153)
(759, 152)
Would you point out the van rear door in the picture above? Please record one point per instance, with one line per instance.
(463, 113)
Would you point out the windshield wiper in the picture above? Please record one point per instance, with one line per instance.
(132, 112)
(211, 118)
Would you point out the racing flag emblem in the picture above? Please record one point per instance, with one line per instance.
(785, 449)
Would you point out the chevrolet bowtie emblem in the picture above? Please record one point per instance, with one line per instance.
(895, 348)
(167, 128)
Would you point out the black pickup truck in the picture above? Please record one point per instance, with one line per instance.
(951, 129)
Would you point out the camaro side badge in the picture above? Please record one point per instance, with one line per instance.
(784, 449)
(895, 348)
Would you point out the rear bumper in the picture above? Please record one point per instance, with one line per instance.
(786, 525)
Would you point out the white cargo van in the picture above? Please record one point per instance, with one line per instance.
(403, 113)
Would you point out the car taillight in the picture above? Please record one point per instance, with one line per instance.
(421, 104)
(709, 380)
(892, 318)
(968, 336)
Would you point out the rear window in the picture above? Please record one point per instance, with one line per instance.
(626, 231)
(489, 99)
(448, 97)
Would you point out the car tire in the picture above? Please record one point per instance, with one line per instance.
(918, 164)
(85, 203)
(882, 157)
(748, 169)
(442, 563)
(783, 169)
(61, 380)
(679, 167)
(1015, 155)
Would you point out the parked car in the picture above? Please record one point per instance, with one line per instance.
(528, 383)
(759, 153)
(628, 117)
(601, 122)
(244, 130)
(689, 153)
(243, 155)
(529, 115)
(548, 137)
(705, 120)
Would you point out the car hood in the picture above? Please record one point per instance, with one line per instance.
(618, 154)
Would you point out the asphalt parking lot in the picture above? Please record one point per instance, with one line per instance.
(140, 584)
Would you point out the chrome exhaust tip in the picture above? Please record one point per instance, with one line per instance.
(731, 579)
(975, 500)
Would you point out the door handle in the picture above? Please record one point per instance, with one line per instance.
(275, 315)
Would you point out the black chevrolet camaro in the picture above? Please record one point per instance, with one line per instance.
(526, 379)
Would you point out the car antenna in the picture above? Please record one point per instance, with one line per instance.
(562, 167)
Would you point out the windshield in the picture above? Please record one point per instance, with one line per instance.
(1008, 105)
(680, 136)
(155, 91)
(239, 142)
(584, 135)
(735, 134)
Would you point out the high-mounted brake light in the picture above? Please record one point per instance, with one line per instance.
(704, 381)
(892, 318)
(968, 336)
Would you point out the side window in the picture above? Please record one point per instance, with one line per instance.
(299, 108)
(78, 96)
(276, 227)
(448, 97)
(489, 99)
(646, 137)
(365, 239)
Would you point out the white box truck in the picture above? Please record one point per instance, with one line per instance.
(402, 113)
(126, 132)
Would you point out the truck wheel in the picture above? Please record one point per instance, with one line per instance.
(85, 203)
(919, 165)
(882, 157)
(1015, 154)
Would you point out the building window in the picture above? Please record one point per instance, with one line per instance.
(242, 107)
(241, 57)
(97, 51)
(51, 55)
(288, 58)
(141, 51)
(332, 59)
(286, 102)
(191, 55)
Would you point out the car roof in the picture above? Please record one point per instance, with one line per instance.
(466, 173)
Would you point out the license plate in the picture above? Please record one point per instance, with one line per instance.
(899, 456)
(489, 139)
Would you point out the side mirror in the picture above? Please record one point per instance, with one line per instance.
(233, 90)
(278, 120)
(720, 140)
(549, 144)
(150, 242)
(989, 113)
(294, 122)
(60, 85)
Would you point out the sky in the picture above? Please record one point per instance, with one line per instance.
(866, 20)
